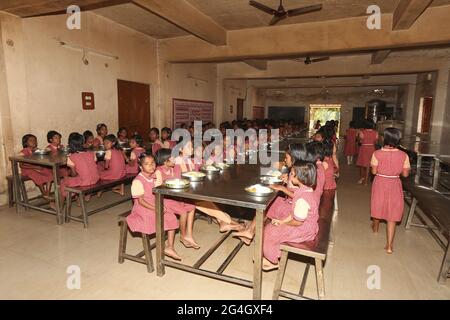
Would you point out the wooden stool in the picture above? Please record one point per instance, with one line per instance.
(148, 260)
(22, 191)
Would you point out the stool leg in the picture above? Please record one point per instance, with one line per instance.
(83, 210)
(10, 193)
(148, 253)
(411, 212)
(280, 275)
(445, 267)
(319, 279)
(123, 240)
(23, 191)
(336, 206)
(68, 211)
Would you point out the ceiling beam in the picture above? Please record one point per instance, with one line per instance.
(378, 57)
(407, 12)
(316, 38)
(34, 8)
(257, 64)
(184, 15)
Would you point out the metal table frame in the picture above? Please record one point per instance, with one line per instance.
(42, 161)
(161, 262)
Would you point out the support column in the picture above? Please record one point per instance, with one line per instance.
(440, 103)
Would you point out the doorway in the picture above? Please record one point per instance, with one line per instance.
(324, 113)
(425, 111)
(240, 109)
(134, 107)
(258, 113)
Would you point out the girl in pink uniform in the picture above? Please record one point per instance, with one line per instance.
(143, 218)
(186, 211)
(122, 136)
(166, 135)
(154, 140)
(41, 176)
(350, 143)
(102, 132)
(329, 168)
(54, 140)
(136, 150)
(316, 149)
(88, 139)
(82, 164)
(301, 224)
(114, 167)
(387, 201)
(368, 138)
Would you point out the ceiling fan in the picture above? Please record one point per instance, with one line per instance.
(281, 13)
(309, 61)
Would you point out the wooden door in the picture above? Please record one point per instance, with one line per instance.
(426, 115)
(134, 107)
(240, 109)
(258, 113)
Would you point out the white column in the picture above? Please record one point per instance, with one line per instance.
(440, 103)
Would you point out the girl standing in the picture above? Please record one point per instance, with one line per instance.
(302, 222)
(330, 169)
(368, 137)
(41, 176)
(387, 200)
(165, 170)
(350, 143)
(143, 218)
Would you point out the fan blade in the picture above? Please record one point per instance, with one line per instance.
(299, 11)
(277, 18)
(320, 59)
(262, 7)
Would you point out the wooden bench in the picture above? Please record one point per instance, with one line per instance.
(315, 250)
(102, 185)
(436, 207)
(23, 192)
(146, 253)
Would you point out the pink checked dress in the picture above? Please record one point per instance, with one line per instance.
(86, 168)
(330, 180)
(320, 184)
(367, 148)
(387, 201)
(281, 206)
(141, 218)
(117, 167)
(174, 206)
(134, 168)
(350, 142)
(274, 236)
(38, 174)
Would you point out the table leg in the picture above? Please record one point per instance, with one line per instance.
(437, 172)
(419, 166)
(258, 253)
(59, 218)
(160, 234)
(16, 184)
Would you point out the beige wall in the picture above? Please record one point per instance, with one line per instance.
(233, 90)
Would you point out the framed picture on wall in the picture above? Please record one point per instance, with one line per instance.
(187, 111)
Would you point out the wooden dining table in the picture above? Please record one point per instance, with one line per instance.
(225, 187)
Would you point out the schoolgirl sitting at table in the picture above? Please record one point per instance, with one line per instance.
(136, 143)
(102, 132)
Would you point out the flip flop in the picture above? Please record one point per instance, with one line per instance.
(189, 245)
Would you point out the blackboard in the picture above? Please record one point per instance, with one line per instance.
(287, 113)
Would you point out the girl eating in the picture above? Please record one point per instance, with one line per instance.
(54, 140)
(136, 150)
(102, 132)
(114, 166)
(143, 218)
(88, 139)
(122, 136)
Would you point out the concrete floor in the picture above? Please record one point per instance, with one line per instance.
(35, 254)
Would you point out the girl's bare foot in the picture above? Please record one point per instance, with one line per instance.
(389, 250)
(120, 190)
(172, 254)
(189, 243)
(361, 181)
(87, 198)
(226, 227)
(246, 241)
(244, 234)
(99, 194)
(269, 266)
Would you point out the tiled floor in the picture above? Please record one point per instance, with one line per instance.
(35, 254)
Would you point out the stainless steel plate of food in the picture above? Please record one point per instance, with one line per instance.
(222, 166)
(41, 152)
(268, 180)
(259, 190)
(274, 173)
(209, 168)
(194, 176)
(177, 183)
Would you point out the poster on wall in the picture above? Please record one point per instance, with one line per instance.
(187, 111)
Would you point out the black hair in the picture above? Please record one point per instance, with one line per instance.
(369, 124)
(328, 149)
(162, 155)
(315, 148)
(121, 129)
(166, 129)
(306, 173)
(100, 126)
(25, 139)
(87, 134)
(352, 124)
(392, 137)
(113, 139)
(299, 152)
(156, 130)
(138, 139)
(76, 142)
(51, 134)
(143, 156)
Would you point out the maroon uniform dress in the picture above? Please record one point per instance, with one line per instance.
(274, 236)
(117, 167)
(367, 148)
(350, 142)
(62, 171)
(135, 153)
(320, 184)
(387, 202)
(38, 174)
(86, 168)
(330, 180)
(141, 218)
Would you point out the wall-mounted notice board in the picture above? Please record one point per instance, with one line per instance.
(186, 111)
(88, 100)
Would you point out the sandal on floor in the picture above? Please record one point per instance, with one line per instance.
(188, 244)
